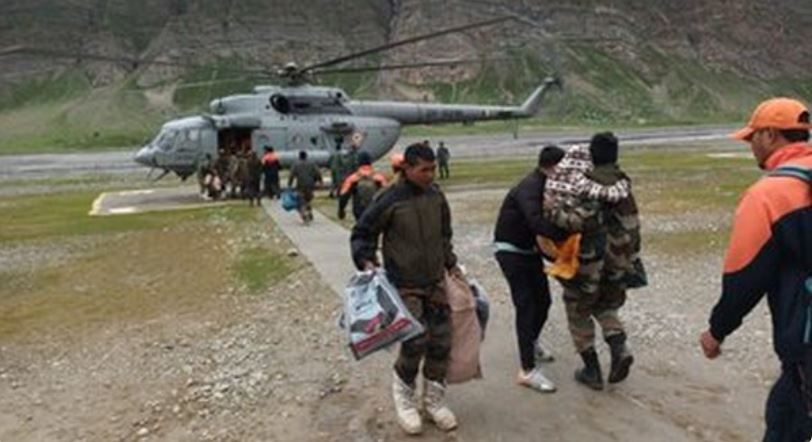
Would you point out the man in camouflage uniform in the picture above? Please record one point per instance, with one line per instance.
(204, 169)
(414, 219)
(602, 208)
(336, 169)
(307, 176)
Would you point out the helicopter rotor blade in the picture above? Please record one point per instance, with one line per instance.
(406, 41)
(218, 81)
(392, 67)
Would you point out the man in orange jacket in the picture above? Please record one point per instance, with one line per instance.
(270, 169)
(770, 253)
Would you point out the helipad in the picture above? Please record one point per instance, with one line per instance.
(151, 200)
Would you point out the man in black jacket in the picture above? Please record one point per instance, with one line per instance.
(414, 219)
(518, 227)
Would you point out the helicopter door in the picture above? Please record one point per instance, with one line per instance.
(187, 146)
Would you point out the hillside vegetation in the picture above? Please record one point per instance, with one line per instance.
(629, 62)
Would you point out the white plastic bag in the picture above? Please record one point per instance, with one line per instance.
(374, 314)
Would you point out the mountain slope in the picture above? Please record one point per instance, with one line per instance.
(623, 61)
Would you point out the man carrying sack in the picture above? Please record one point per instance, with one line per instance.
(414, 219)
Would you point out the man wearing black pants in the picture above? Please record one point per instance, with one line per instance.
(518, 227)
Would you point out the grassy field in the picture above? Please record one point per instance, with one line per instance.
(65, 271)
(68, 272)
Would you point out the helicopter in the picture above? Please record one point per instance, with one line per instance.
(299, 116)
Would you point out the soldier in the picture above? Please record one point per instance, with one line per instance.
(416, 260)
(361, 186)
(203, 170)
(307, 176)
(443, 155)
(336, 169)
(221, 167)
(606, 214)
(270, 170)
(253, 176)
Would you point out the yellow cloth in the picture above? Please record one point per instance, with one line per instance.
(565, 254)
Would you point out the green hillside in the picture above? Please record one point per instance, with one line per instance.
(673, 65)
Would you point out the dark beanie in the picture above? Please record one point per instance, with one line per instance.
(364, 159)
(603, 148)
(550, 156)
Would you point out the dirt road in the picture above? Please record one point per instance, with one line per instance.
(673, 394)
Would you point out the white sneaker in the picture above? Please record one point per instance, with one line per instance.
(543, 354)
(405, 408)
(436, 407)
(536, 379)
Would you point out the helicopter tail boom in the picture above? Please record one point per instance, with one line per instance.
(408, 113)
(532, 105)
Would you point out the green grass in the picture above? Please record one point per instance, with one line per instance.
(66, 214)
(259, 267)
(53, 88)
(103, 118)
(666, 181)
(62, 112)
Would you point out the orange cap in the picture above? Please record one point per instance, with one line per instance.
(396, 160)
(776, 113)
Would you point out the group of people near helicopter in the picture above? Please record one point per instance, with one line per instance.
(238, 172)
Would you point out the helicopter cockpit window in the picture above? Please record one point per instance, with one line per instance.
(166, 139)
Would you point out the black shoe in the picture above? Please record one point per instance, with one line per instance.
(622, 359)
(590, 375)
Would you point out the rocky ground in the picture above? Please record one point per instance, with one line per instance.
(231, 366)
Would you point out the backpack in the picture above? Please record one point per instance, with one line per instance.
(805, 365)
(365, 190)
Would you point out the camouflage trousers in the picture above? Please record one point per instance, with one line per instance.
(584, 308)
(430, 307)
(305, 210)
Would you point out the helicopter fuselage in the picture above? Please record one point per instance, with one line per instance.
(317, 120)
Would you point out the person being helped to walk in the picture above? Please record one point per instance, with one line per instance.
(519, 224)
(602, 210)
(770, 253)
(414, 219)
(361, 186)
(307, 176)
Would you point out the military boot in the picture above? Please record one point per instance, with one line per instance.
(622, 358)
(405, 406)
(590, 375)
(436, 407)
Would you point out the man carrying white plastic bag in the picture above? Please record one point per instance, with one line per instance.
(414, 219)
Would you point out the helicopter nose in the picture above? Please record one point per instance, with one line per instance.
(145, 157)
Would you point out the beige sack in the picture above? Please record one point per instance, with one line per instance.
(463, 363)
